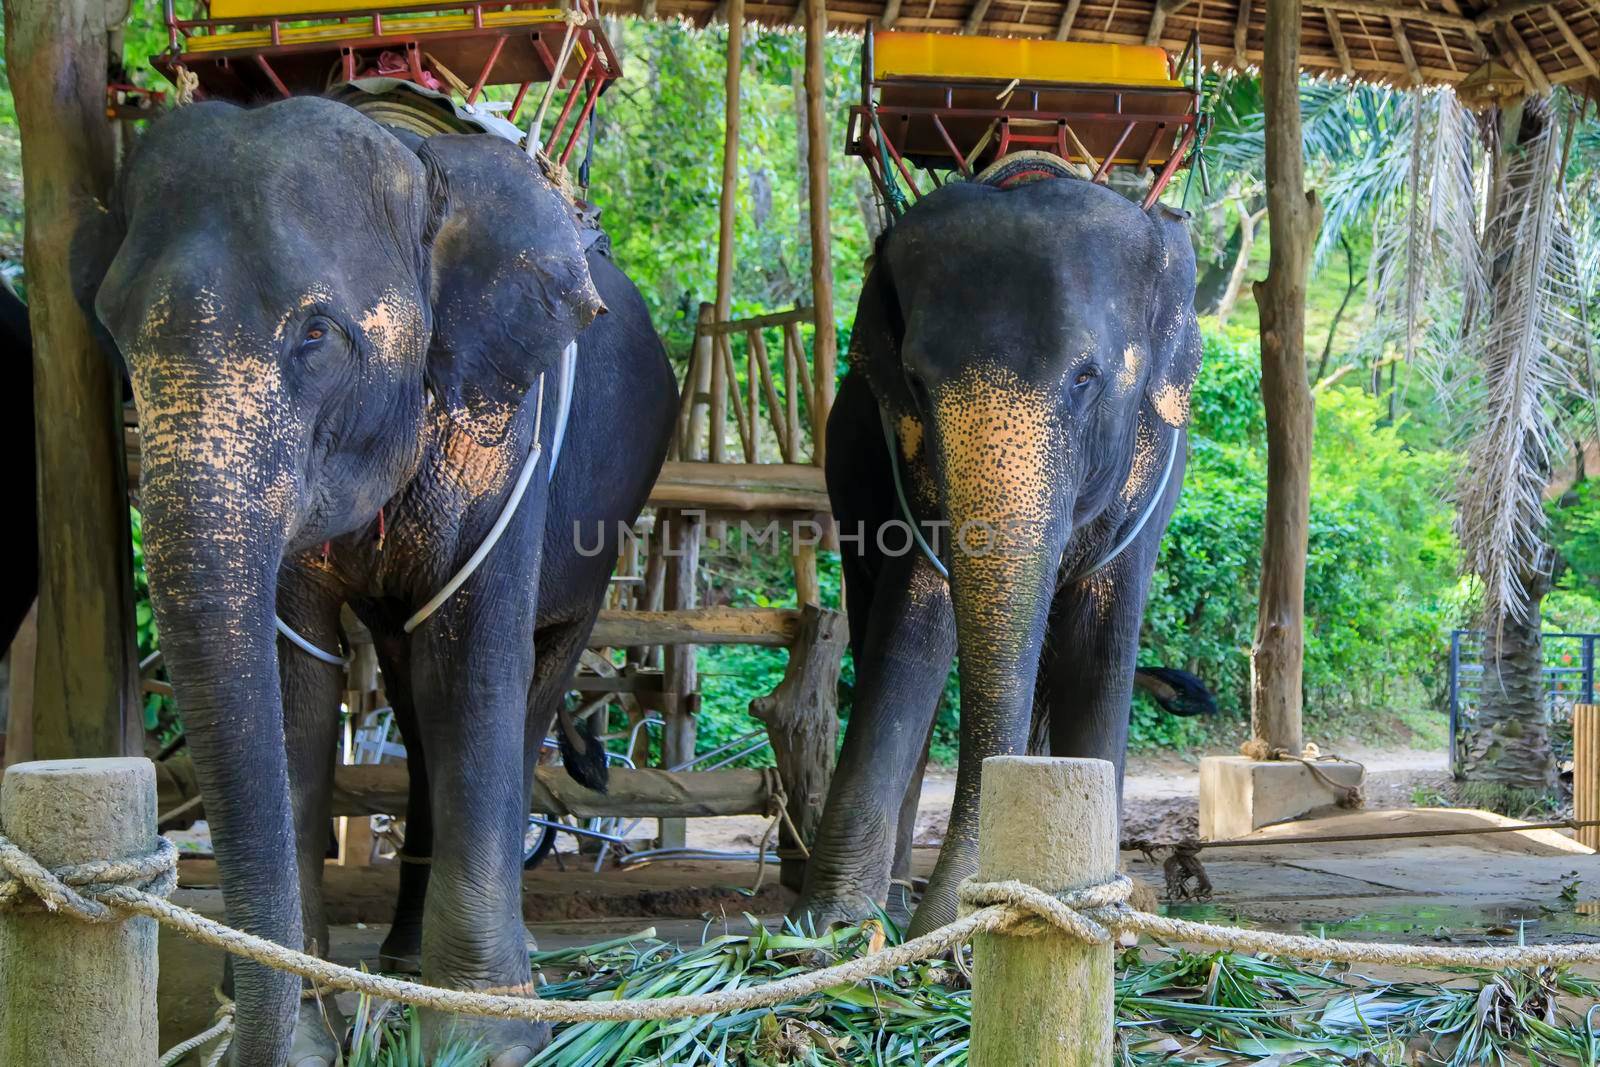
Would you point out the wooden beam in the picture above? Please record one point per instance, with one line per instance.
(1385, 8)
(975, 17)
(1241, 34)
(1340, 48)
(86, 679)
(825, 344)
(1530, 63)
(644, 792)
(891, 14)
(1277, 654)
(1474, 38)
(1069, 15)
(1404, 44)
(740, 487)
(1158, 18)
(764, 627)
(1507, 10)
(1579, 49)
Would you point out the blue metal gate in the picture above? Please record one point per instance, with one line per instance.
(1568, 680)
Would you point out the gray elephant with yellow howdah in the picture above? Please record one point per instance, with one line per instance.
(1018, 389)
(355, 356)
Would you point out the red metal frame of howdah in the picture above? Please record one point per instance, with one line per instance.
(944, 123)
(255, 49)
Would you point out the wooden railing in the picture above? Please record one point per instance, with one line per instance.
(773, 407)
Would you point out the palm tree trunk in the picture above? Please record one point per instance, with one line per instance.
(1507, 761)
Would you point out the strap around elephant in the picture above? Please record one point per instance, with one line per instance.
(1149, 509)
(566, 376)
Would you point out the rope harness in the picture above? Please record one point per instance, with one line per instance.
(892, 441)
(564, 388)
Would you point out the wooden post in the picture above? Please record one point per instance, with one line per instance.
(725, 231)
(1586, 771)
(19, 713)
(86, 697)
(1044, 999)
(825, 346)
(72, 992)
(354, 832)
(1277, 657)
(802, 719)
(681, 533)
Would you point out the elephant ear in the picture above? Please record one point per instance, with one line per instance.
(876, 336)
(511, 286)
(1175, 333)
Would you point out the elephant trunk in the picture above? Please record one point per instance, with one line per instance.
(1005, 477)
(214, 537)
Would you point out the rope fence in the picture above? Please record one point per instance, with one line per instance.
(1088, 917)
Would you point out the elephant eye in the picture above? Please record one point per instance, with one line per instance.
(316, 332)
(1085, 376)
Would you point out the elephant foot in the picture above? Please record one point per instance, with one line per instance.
(939, 903)
(316, 1036)
(401, 951)
(900, 905)
(316, 1041)
(496, 1042)
(819, 912)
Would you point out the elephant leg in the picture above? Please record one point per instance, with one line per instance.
(1086, 674)
(900, 904)
(908, 640)
(311, 691)
(472, 672)
(402, 947)
(559, 647)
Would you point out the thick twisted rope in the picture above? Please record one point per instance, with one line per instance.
(58, 890)
(1092, 915)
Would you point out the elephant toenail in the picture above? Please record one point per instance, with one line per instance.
(513, 1057)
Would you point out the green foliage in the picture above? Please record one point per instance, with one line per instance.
(1172, 1006)
(1380, 576)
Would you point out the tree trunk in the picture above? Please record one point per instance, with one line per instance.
(1277, 657)
(86, 680)
(1248, 220)
(1507, 759)
(825, 347)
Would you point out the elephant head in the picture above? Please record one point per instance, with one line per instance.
(1035, 346)
(292, 289)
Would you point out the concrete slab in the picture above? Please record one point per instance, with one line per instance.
(1239, 795)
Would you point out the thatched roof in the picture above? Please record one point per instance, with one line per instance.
(1397, 42)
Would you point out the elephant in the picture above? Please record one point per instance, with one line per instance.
(1004, 454)
(349, 352)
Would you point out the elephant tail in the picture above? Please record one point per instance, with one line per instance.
(582, 752)
(1178, 692)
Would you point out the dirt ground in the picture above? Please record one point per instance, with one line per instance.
(1160, 797)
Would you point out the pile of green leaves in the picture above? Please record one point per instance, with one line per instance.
(1173, 1006)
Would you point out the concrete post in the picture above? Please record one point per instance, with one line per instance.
(73, 992)
(1044, 999)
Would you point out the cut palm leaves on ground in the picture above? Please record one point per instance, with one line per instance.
(1173, 1006)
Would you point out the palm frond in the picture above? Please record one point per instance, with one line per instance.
(1525, 344)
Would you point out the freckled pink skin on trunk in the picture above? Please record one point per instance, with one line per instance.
(218, 501)
(1003, 460)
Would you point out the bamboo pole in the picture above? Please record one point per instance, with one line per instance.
(73, 992)
(1039, 997)
(729, 205)
(1586, 771)
(825, 344)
